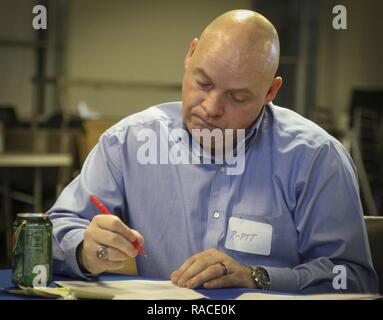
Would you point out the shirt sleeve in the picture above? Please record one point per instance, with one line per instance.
(331, 230)
(71, 214)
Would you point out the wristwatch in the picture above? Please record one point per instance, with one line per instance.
(260, 277)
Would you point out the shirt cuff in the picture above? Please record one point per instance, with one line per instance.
(282, 279)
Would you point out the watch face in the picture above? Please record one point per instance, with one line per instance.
(262, 278)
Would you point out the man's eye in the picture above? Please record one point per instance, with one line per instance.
(238, 100)
(203, 85)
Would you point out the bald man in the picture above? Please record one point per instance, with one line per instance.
(227, 189)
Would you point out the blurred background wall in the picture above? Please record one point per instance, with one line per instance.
(348, 59)
(118, 56)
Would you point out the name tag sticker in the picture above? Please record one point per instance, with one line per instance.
(249, 236)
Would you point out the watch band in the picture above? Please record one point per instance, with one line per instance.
(260, 277)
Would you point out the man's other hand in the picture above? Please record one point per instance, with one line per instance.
(212, 269)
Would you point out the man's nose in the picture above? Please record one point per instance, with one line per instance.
(213, 105)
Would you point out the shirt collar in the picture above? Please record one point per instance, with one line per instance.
(250, 136)
(254, 129)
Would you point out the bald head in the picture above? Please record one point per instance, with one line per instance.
(230, 72)
(245, 37)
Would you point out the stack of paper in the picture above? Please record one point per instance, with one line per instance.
(131, 289)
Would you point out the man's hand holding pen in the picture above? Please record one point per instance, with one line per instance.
(108, 244)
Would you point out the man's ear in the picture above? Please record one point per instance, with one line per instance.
(190, 52)
(275, 86)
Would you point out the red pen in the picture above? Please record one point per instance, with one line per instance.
(104, 210)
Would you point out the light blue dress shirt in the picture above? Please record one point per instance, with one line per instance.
(297, 178)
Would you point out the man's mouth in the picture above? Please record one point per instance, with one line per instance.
(203, 124)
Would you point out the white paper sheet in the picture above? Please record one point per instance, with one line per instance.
(134, 289)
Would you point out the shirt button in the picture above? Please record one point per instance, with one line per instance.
(216, 214)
